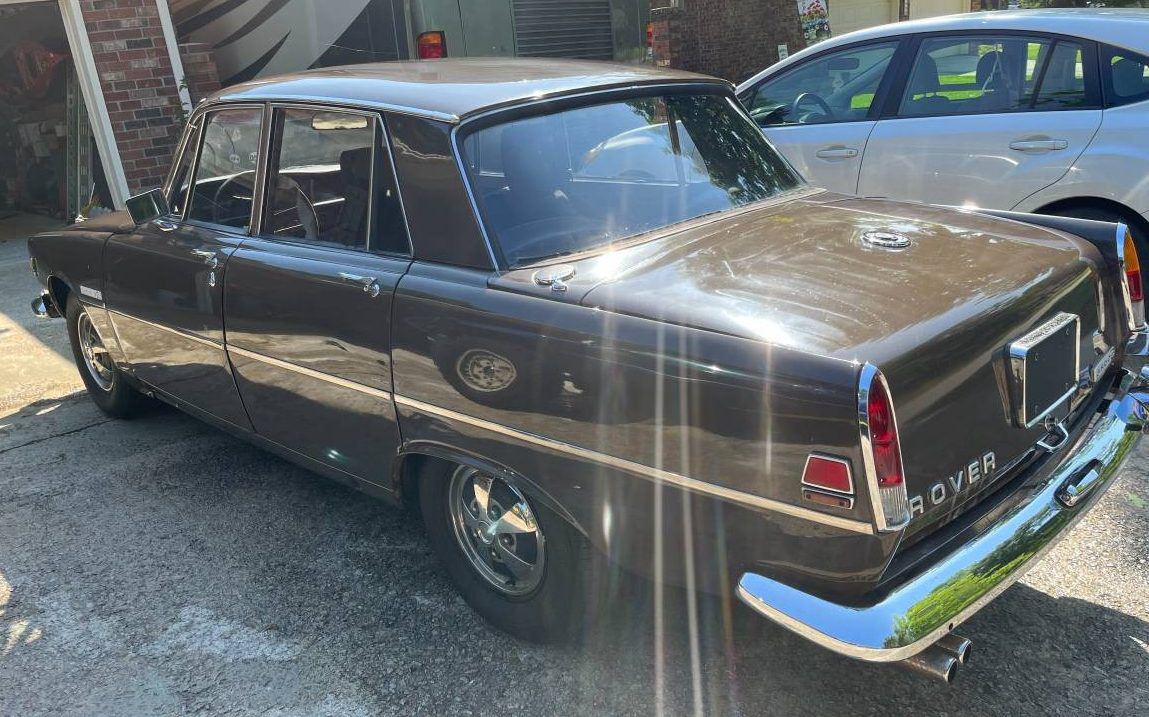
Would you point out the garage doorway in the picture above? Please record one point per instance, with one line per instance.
(50, 167)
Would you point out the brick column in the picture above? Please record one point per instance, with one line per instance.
(139, 86)
(200, 71)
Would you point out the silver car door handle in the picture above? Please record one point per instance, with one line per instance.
(368, 283)
(836, 153)
(209, 257)
(165, 225)
(1038, 145)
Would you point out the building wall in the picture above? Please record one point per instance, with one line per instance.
(727, 38)
(139, 85)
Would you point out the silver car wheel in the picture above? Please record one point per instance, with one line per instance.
(96, 357)
(497, 531)
(485, 371)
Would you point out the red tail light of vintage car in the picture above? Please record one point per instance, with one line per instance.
(881, 451)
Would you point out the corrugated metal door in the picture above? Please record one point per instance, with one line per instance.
(564, 28)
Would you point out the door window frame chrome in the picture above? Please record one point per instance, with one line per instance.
(204, 113)
(381, 138)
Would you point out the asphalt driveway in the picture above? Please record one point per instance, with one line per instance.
(159, 566)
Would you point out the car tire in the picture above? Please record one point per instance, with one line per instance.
(106, 384)
(562, 602)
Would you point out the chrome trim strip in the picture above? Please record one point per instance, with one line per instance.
(311, 373)
(866, 377)
(225, 99)
(915, 614)
(655, 474)
(178, 332)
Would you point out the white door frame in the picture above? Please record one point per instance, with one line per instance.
(89, 77)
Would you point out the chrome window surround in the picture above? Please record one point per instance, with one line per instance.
(884, 523)
(201, 115)
(1017, 352)
(704, 87)
(169, 181)
(835, 459)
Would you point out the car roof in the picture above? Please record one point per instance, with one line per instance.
(452, 89)
(1123, 27)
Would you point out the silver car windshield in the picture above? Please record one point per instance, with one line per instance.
(582, 178)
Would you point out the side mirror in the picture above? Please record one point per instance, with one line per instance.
(150, 205)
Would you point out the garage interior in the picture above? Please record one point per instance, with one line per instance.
(50, 171)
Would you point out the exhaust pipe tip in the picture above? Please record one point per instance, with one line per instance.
(959, 647)
(932, 662)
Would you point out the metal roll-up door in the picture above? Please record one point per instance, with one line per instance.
(564, 28)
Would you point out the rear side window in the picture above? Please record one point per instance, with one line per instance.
(1126, 76)
(326, 185)
(980, 74)
(225, 177)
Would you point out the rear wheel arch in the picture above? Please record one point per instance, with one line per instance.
(59, 290)
(413, 460)
(1093, 205)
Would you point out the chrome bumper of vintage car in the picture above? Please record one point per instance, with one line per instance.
(922, 610)
(43, 307)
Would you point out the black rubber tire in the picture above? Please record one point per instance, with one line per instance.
(122, 400)
(565, 606)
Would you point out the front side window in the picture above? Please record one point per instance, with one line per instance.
(981, 74)
(582, 178)
(181, 178)
(225, 176)
(838, 87)
(320, 181)
(1126, 76)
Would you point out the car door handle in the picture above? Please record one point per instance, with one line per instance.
(368, 283)
(209, 257)
(838, 152)
(1038, 145)
(165, 225)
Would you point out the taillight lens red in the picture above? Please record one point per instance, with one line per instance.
(884, 436)
(431, 44)
(881, 451)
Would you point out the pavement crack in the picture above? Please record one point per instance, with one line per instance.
(54, 435)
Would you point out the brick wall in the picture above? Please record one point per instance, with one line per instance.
(728, 38)
(200, 71)
(139, 86)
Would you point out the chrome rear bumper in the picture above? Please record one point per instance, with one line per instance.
(922, 610)
(44, 308)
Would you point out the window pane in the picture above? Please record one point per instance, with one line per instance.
(225, 176)
(584, 177)
(970, 75)
(1128, 76)
(1064, 81)
(320, 187)
(181, 180)
(845, 82)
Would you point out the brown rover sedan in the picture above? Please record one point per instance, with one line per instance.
(584, 315)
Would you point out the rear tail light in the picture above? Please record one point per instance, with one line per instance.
(829, 473)
(431, 44)
(881, 451)
(1133, 269)
(1131, 265)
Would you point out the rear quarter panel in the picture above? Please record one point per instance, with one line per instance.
(715, 408)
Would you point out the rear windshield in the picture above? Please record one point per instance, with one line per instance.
(582, 178)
